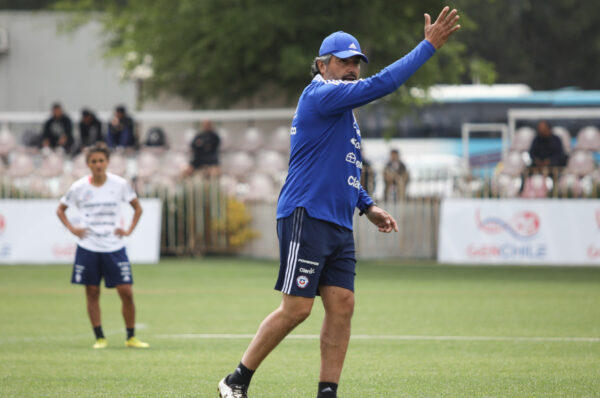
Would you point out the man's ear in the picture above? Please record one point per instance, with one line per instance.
(322, 67)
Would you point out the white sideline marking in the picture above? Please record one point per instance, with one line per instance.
(386, 337)
(89, 336)
(226, 336)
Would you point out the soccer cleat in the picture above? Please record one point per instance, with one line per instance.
(233, 391)
(100, 343)
(134, 342)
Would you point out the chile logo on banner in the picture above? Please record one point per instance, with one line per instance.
(2, 224)
(522, 226)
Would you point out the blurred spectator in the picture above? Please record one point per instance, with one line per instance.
(546, 149)
(90, 129)
(156, 137)
(367, 177)
(395, 176)
(120, 130)
(205, 151)
(58, 130)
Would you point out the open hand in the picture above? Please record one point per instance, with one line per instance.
(445, 24)
(382, 219)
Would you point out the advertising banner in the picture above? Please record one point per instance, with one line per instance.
(516, 231)
(31, 233)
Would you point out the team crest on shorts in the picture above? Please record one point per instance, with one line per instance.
(302, 281)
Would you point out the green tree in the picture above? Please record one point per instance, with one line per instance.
(547, 44)
(24, 4)
(219, 52)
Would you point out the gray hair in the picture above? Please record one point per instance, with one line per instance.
(314, 68)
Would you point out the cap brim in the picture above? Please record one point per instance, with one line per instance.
(351, 53)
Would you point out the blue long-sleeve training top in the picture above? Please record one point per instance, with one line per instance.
(325, 157)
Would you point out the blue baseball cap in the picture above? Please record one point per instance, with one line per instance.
(342, 45)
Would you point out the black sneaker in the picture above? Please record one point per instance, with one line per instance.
(232, 391)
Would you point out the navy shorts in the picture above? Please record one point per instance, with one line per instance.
(90, 267)
(313, 253)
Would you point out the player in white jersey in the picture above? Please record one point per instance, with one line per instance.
(100, 248)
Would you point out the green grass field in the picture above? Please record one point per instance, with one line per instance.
(501, 332)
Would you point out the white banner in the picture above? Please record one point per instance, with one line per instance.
(31, 233)
(506, 231)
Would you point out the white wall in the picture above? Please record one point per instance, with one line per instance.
(43, 65)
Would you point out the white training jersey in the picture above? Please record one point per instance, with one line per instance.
(100, 211)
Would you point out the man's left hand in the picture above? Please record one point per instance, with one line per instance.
(121, 232)
(382, 219)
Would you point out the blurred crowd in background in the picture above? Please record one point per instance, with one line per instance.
(546, 162)
(542, 162)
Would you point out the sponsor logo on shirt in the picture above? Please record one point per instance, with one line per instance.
(354, 182)
(355, 142)
(301, 260)
(308, 271)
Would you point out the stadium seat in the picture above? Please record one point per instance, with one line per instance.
(79, 167)
(513, 164)
(182, 144)
(252, 140)
(522, 139)
(22, 165)
(147, 165)
(228, 185)
(225, 136)
(159, 183)
(7, 142)
(270, 162)
(38, 186)
(506, 186)
(238, 164)
(261, 188)
(117, 164)
(581, 163)
(536, 186)
(52, 165)
(280, 140)
(565, 137)
(174, 164)
(588, 139)
(570, 185)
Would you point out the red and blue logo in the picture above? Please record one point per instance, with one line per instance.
(302, 281)
(522, 226)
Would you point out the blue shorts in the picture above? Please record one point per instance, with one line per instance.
(313, 253)
(90, 267)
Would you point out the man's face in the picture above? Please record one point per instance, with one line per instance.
(544, 130)
(57, 112)
(341, 68)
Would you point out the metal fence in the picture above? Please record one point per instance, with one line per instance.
(198, 218)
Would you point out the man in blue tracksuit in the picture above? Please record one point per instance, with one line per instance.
(317, 202)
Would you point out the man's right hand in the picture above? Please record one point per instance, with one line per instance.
(445, 24)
